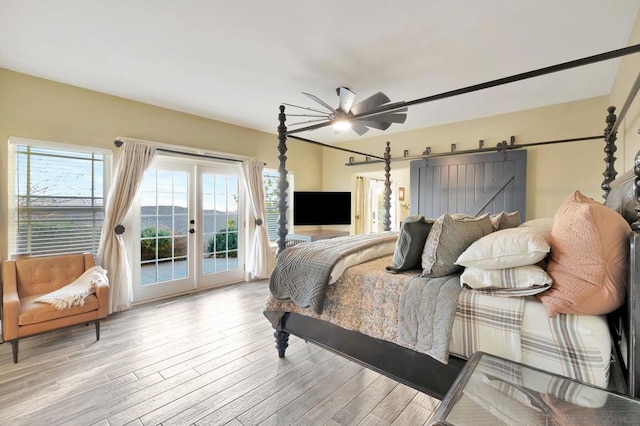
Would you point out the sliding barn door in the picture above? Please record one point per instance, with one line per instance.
(471, 183)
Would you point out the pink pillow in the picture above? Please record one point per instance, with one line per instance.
(589, 258)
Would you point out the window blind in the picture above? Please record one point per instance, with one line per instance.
(58, 200)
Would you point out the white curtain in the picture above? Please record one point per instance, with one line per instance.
(133, 161)
(363, 205)
(259, 261)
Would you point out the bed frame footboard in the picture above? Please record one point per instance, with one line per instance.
(404, 365)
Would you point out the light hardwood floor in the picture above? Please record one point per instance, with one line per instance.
(205, 358)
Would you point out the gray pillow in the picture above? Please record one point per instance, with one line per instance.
(504, 220)
(449, 237)
(411, 239)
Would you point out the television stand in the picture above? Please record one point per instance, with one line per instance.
(313, 235)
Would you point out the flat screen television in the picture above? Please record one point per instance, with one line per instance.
(321, 208)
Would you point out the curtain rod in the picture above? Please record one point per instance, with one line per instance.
(503, 146)
(492, 83)
(119, 143)
(375, 179)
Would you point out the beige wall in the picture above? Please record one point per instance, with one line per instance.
(40, 109)
(553, 172)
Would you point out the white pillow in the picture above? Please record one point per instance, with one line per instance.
(543, 224)
(506, 248)
(520, 281)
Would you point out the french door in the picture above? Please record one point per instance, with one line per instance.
(189, 228)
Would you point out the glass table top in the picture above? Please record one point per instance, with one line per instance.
(494, 391)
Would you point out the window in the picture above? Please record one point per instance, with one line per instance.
(270, 179)
(57, 197)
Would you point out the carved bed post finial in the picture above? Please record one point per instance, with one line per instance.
(636, 191)
(283, 184)
(386, 221)
(610, 150)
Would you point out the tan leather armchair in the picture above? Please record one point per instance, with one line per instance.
(26, 279)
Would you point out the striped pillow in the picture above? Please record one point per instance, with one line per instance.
(519, 281)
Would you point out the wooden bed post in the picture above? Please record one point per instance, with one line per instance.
(283, 184)
(386, 220)
(626, 320)
(636, 191)
(633, 299)
(281, 336)
(610, 150)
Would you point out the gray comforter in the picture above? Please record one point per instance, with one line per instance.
(302, 272)
(426, 313)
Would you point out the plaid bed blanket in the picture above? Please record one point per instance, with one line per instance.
(426, 315)
(366, 299)
(486, 327)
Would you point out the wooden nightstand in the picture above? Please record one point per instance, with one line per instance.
(494, 391)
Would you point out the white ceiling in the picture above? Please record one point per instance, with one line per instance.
(236, 61)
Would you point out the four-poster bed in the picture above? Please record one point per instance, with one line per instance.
(419, 369)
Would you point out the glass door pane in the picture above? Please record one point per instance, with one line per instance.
(222, 243)
(164, 215)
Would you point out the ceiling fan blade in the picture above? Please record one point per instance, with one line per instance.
(375, 124)
(346, 98)
(390, 117)
(320, 101)
(307, 122)
(370, 103)
(323, 115)
(359, 128)
(307, 108)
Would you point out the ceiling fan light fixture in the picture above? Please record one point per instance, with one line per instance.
(359, 117)
(341, 125)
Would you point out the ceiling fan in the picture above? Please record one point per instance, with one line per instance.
(342, 116)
